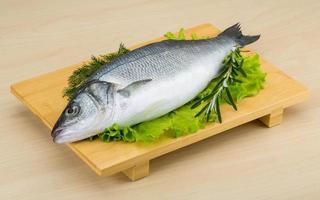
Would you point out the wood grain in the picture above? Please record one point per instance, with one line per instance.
(248, 162)
(43, 96)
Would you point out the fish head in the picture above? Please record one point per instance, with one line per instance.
(85, 113)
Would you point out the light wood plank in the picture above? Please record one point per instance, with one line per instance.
(273, 119)
(139, 171)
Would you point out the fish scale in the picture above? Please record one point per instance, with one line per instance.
(159, 65)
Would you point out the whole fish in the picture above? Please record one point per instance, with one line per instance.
(145, 83)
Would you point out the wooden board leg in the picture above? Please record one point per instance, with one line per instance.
(273, 119)
(137, 172)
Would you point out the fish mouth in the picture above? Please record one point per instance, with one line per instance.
(56, 134)
(61, 136)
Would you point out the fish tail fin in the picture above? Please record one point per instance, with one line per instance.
(235, 33)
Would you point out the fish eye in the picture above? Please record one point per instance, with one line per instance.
(73, 110)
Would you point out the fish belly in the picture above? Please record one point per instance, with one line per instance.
(162, 96)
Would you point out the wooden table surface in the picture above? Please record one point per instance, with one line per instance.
(247, 162)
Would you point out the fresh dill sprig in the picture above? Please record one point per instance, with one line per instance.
(232, 66)
(81, 74)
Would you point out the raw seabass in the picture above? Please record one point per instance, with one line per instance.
(145, 83)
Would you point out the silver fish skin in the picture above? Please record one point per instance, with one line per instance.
(146, 83)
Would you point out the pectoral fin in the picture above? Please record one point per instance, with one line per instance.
(126, 91)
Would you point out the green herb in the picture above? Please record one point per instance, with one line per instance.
(181, 36)
(80, 75)
(171, 36)
(232, 66)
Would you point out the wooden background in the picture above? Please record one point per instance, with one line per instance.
(248, 162)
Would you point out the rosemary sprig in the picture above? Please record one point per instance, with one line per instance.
(232, 66)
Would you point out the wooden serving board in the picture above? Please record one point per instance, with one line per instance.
(43, 96)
